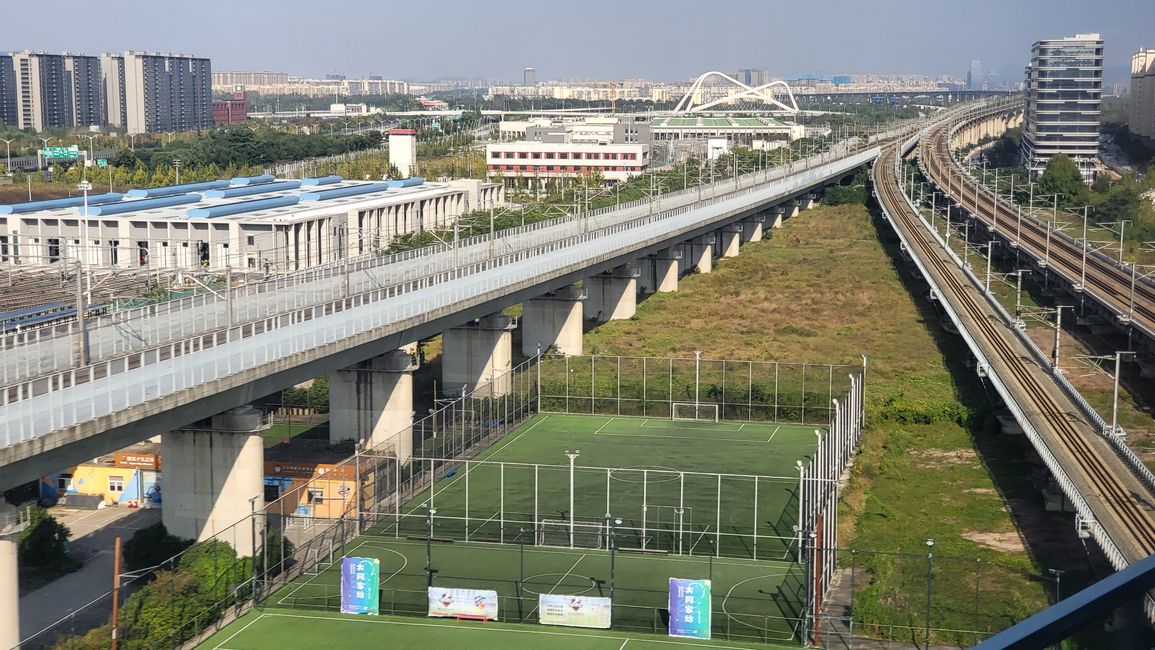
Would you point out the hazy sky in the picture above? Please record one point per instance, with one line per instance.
(666, 39)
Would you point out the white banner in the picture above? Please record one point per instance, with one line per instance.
(573, 611)
(462, 602)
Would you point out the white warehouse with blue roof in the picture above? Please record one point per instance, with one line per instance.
(258, 223)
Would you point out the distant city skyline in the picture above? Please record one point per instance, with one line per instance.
(353, 37)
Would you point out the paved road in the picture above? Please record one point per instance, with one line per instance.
(93, 536)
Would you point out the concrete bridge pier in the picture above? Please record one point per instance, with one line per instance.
(372, 402)
(660, 271)
(478, 357)
(730, 237)
(553, 320)
(214, 478)
(612, 295)
(791, 209)
(752, 228)
(10, 528)
(699, 255)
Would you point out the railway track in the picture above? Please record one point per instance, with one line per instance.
(1121, 502)
(1106, 280)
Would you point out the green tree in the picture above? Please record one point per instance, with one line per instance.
(1062, 177)
(44, 544)
(150, 546)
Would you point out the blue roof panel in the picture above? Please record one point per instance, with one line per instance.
(339, 192)
(246, 190)
(76, 201)
(321, 180)
(253, 180)
(240, 207)
(143, 204)
(170, 190)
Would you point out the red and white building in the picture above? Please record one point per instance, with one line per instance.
(553, 160)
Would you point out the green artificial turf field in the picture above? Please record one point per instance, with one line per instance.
(682, 486)
(686, 499)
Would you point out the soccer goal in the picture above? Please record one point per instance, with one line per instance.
(559, 532)
(700, 411)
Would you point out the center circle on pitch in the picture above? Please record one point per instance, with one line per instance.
(637, 474)
(559, 583)
(763, 585)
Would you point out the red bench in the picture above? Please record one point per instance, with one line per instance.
(472, 617)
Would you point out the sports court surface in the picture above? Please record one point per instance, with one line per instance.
(690, 506)
(677, 485)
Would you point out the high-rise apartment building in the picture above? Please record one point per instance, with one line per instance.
(1141, 108)
(1064, 88)
(39, 90)
(753, 76)
(82, 89)
(976, 78)
(146, 92)
(528, 77)
(7, 90)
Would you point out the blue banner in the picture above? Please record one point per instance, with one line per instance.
(690, 608)
(359, 585)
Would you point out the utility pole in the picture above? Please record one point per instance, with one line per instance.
(1058, 329)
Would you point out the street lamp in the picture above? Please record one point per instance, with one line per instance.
(429, 513)
(572, 456)
(90, 139)
(39, 158)
(8, 150)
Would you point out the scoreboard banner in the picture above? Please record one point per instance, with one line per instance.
(462, 602)
(360, 577)
(690, 608)
(574, 611)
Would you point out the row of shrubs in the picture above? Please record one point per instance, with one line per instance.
(191, 586)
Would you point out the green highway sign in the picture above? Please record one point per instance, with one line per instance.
(65, 153)
(102, 162)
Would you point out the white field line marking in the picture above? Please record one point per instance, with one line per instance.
(561, 580)
(604, 425)
(623, 644)
(679, 428)
(492, 629)
(234, 634)
(633, 558)
(698, 438)
(773, 434)
(356, 547)
(469, 468)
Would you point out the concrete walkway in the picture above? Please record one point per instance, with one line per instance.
(93, 537)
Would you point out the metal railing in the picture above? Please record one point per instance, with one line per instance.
(66, 398)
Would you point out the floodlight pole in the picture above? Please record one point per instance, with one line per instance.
(429, 547)
(611, 525)
(572, 456)
(697, 379)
